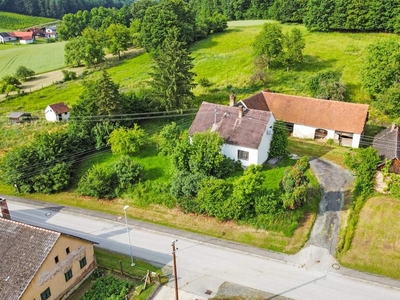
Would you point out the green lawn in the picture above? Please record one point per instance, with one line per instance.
(375, 247)
(12, 21)
(37, 57)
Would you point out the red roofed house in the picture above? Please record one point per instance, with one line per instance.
(24, 37)
(314, 118)
(57, 112)
(247, 132)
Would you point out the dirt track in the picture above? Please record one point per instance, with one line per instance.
(46, 79)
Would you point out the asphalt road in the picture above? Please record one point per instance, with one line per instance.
(206, 263)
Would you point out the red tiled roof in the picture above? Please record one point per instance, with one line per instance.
(318, 113)
(60, 108)
(22, 34)
(246, 131)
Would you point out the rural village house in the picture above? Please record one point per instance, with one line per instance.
(57, 112)
(387, 143)
(50, 32)
(312, 118)
(38, 263)
(5, 37)
(19, 117)
(247, 133)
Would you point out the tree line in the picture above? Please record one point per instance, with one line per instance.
(56, 8)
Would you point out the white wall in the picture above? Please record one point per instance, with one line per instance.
(231, 151)
(263, 149)
(303, 132)
(331, 134)
(356, 140)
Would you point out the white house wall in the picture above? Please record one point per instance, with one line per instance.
(263, 149)
(50, 115)
(231, 151)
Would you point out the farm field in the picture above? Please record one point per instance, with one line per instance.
(37, 57)
(11, 21)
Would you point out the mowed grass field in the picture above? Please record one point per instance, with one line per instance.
(37, 57)
(376, 243)
(11, 21)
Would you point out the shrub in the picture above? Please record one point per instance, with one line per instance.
(204, 82)
(280, 140)
(108, 287)
(68, 75)
(185, 184)
(99, 181)
(128, 172)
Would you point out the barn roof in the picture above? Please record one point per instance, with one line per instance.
(387, 143)
(318, 113)
(18, 114)
(246, 131)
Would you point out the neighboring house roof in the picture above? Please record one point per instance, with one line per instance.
(4, 34)
(23, 35)
(318, 113)
(23, 250)
(18, 114)
(387, 143)
(246, 131)
(59, 108)
(51, 28)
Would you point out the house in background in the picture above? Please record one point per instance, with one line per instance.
(6, 37)
(50, 32)
(57, 112)
(247, 133)
(37, 263)
(19, 117)
(387, 143)
(312, 118)
(37, 32)
(24, 37)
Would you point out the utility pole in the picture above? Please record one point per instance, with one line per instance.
(175, 274)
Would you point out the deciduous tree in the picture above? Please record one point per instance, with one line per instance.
(118, 39)
(127, 141)
(327, 85)
(24, 73)
(269, 43)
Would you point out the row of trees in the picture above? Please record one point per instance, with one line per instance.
(55, 8)
(11, 83)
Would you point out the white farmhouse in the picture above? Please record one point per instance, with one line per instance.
(313, 118)
(247, 133)
(57, 112)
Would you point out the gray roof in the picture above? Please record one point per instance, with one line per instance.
(4, 34)
(23, 250)
(387, 143)
(246, 132)
(18, 114)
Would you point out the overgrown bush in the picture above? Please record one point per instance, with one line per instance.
(108, 287)
(99, 181)
(204, 82)
(185, 184)
(68, 75)
(280, 140)
(128, 172)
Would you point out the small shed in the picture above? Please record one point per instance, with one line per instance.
(19, 117)
(387, 143)
(57, 112)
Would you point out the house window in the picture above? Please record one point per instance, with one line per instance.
(83, 262)
(46, 294)
(67, 250)
(56, 259)
(243, 155)
(68, 275)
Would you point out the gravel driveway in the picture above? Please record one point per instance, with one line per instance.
(333, 181)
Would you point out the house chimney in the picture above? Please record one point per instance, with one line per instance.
(394, 126)
(232, 99)
(4, 212)
(240, 111)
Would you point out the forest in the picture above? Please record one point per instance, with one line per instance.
(320, 15)
(56, 8)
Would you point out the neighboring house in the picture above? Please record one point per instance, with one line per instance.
(247, 133)
(6, 37)
(57, 112)
(19, 117)
(312, 118)
(37, 32)
(387, 143)
(37, 263)
(50, 32)
(24, 37)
